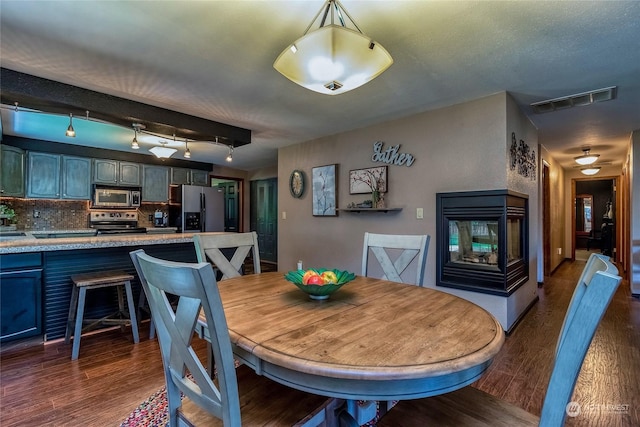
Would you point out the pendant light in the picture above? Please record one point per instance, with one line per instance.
(333, 59)
(70, 131)
(163, 152)
(586, 158)
(230, 155)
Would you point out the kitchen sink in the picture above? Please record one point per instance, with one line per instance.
(62, 235)
(13, 235)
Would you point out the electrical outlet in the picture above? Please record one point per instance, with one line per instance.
(419, 213)
(150, 217)
(559, 251)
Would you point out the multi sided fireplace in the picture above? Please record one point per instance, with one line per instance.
(482, 241)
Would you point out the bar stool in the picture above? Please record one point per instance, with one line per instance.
(95, 280)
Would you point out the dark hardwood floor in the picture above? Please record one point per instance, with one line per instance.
(41, 386)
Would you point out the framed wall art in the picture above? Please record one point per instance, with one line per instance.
(368, 180)
(324, 189)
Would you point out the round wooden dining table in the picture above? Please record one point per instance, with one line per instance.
(372, 340)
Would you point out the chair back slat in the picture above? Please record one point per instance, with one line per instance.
(592, 295)
(196, 287)
(412, 251)
(209, 248)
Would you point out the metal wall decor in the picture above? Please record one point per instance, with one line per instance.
(391, 155)
(522, 157)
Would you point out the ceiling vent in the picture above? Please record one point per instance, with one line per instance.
(579, 99)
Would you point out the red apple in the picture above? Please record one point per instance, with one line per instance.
(315, 280)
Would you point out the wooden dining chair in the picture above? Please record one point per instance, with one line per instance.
(472, 407)
(233, 397)
(404, 248)
(210, 247)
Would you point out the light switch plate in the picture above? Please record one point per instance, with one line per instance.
(419, 213)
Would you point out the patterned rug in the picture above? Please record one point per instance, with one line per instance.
(153, 412)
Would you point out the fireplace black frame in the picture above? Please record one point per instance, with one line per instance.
(499, 206)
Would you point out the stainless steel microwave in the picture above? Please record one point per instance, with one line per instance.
(116, 198)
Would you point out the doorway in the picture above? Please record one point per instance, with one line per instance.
(263, 217)
(546, 220)
(593, 221)
(232, 202)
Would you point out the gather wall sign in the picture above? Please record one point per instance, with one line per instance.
(391, 156)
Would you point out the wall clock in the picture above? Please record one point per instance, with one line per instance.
(296, 183)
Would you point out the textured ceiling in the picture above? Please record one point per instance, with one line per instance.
(213, 59)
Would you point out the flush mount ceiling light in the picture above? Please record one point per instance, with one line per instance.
(576, 100)
(162, 152)
(333, 59)
(591, 170)
(586, 158)
(70, 131)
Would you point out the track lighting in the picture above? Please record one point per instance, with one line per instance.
(70, 131)
(187, 153)
(134, 143)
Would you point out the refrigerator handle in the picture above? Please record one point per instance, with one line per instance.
(203, 212)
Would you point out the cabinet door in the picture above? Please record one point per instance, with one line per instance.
(20, 304)
(129, 173)
(199, 177)
(12, 174)
(76, 178)
(155, 184)
(43, 173)
(180, 176)
(105, 171)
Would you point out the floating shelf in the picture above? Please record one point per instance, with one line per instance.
(358, 210)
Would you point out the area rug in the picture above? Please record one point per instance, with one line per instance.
(153, 412)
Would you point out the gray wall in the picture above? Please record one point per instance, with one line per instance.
(460, 148)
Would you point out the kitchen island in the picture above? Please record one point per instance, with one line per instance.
(35, 276)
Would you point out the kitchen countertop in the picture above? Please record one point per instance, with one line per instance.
(29, 243)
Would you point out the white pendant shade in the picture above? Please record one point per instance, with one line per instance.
(163, 152)
(590, 170)
(334, 58)
(586, 158)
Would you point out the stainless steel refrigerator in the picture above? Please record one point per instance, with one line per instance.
(201, 209)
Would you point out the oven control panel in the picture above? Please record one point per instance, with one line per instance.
(113, 216)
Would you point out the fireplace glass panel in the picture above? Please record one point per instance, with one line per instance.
(474, 242)
(514, 248)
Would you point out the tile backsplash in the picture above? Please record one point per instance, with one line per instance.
(64, 214)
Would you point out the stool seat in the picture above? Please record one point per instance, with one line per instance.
(95, 280)
(101, 278)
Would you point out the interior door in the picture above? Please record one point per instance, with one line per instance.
(231, 204)
(264, 215)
